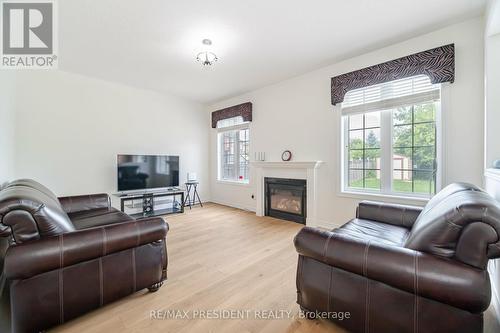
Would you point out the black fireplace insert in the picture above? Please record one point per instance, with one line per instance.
(286, 199)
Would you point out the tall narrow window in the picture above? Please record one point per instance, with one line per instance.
(414, 149)
(364, 150)
(391, 139)
(233, 150)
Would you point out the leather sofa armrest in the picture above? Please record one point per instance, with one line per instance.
(47, 254)
(81, 203)
(400, 215)
(422, 274)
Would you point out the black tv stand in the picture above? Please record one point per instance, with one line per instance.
(149, 202)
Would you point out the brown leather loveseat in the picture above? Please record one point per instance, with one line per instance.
(62, 257)
(402, 269)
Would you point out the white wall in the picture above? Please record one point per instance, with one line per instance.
(69, 129)
(492, 123)
(7, 121)
(492, 99)
(297, 115)
(492, 83)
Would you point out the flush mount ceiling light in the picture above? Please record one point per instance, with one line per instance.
(206, 58)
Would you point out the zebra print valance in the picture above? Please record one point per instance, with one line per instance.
(438, 64)
(244, 110)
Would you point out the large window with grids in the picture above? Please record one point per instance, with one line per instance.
(391, 141)
(233, 150)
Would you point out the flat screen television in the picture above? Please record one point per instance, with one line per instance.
(146, 172)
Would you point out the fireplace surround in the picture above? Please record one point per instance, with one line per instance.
(308, 170)
(286, 199)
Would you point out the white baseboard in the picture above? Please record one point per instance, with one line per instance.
(234, 205)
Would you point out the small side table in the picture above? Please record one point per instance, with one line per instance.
(192, 199)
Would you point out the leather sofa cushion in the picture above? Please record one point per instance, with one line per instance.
(446, 192)
(98, 217)
(376, 231)
(399, 215)
(34, 185)
(462, 220)
(80, 203)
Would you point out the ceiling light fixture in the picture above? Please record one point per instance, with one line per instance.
(206, 58)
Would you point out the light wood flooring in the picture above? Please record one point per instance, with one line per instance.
(220, 258)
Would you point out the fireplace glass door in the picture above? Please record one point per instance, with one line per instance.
(285, 199)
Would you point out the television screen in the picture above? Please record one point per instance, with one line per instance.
(142, 172)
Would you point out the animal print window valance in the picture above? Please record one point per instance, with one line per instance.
(438, 64)
(244, 110)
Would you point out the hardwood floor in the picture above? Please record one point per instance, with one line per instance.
(220, 258)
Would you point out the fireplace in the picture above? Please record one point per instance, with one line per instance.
(286, 199)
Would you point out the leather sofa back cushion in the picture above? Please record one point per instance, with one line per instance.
(82, 203)
(33, 184)
(459, 221)
(28, 212)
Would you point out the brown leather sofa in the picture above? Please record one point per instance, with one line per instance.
(400, 268)
(63, 257)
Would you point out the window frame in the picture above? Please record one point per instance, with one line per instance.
(220, 157)
(386, 167)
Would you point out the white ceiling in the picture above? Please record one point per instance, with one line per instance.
(152, 44)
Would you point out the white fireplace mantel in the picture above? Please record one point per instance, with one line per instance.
(292, 165)
(295, 170)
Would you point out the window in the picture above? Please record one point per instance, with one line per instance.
(391, 140)
(233, 150)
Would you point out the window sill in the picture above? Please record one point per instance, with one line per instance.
(419, 201)
(232, 182)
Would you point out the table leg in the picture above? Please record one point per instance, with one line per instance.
(188, 198)
(196, 193)
(182, 201)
